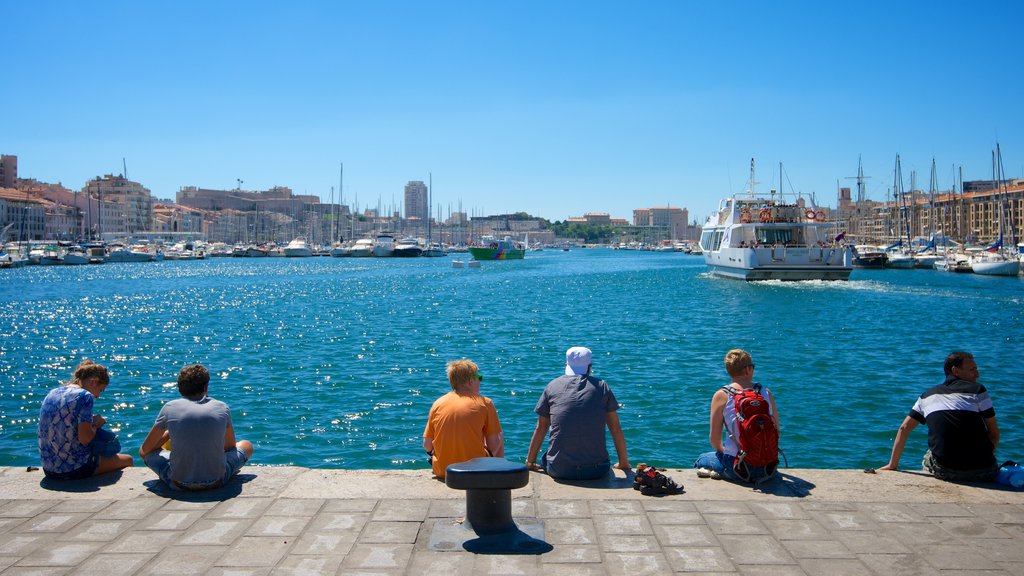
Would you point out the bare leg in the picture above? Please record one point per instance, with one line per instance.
(245, 446)
(111, 463)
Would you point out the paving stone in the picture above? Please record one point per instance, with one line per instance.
(689, 518)
(735, 524)
(37, 571)
(134, 509)
(668, 505)
(722, 507)
(163, 520)
(25, 508)
(6, 561)
(571, 554)
(998, 513)
(324, 543)
(238, 571)
(563, 509)
(255, 551)
(914, 535)
(377, 556)
(295, 507)
(240, 508)
(570, 531)
(637, 564)
(214, 532)
(523, 508)
(49, 522)
(338, 522)
(828, 506)
(278, 526)
(80, 505)
(772, 570)
(9, 524)
(113, 564)
(897, 564)
(677, 535)
(872, 543)
(447, 509)
(778, 511)
(401, 511)
(57, 553)
(942, 509)
(817, 549)
(145, 541)
(99, 530)
(184, 560)
(699, 560)
(188, 502)
(1001, 551)
(890, 512)
(796, 529)
(308, 566)
(614, 508)
(970, 528)
(837, 567)
(622, 525)
(441, 563)
(835, 520)
(574, 570)
(949, 556)
(505, 565)
(21, 544)
(624, 543)
(390, 532)
(754, 549)
(349, 505)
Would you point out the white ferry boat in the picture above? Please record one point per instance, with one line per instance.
(752, 238)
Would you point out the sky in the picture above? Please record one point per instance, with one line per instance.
(552, 108)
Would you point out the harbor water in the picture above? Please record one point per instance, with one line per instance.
(334, 362)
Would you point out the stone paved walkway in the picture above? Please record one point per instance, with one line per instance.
(298, 521)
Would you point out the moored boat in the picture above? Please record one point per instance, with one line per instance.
(384, 245)
(298, 248)
(492, 249)
(407, 247)
(362, 248)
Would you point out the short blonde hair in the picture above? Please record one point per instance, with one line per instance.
(736, 361)
(89, 369)
(461, 373)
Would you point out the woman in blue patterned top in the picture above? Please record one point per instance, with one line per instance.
(72, 441)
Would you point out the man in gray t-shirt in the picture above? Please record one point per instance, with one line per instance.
(203, 452)
(576, 408)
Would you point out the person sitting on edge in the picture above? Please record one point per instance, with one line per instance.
(577, 407)
(720, 463)
(72, 441)
(462, 424)
(203, 452)
(962, 429)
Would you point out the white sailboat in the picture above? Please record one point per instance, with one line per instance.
(995, 260)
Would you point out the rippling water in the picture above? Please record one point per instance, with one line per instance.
(335, 362)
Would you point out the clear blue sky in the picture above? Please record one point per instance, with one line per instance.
(554, 108)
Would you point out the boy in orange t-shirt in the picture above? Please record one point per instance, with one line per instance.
(462, 424)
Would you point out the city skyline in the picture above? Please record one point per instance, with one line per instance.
(552, 110)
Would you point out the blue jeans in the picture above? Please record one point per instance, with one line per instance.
(589, 472)
(159, 461)
(723, 464)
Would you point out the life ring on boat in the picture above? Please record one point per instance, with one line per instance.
(809, 214)
(745, 216)
(765, 215)
(819, 216)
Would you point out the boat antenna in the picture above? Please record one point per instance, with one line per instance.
(750, 190)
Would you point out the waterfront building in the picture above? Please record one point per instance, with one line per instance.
(674, 220)
(8, 171)
(175, 221)
(22, 216)
(124, 207)
(416, 200)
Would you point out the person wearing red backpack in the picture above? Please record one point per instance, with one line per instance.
(749, 448)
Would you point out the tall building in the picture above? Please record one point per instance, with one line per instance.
(126, 206)
(416, 202)
(8, 171)
(672, 219)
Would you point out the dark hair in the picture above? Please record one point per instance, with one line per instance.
(193, 380)
(955, 359)
(89, 369)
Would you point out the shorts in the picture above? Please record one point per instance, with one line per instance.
(84, 471)
(950, 475)
(160, 462)
(588, 472)
(103, 445)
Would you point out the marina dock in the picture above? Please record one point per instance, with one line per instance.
(289, 520)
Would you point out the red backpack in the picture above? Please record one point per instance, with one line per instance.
(758, 438)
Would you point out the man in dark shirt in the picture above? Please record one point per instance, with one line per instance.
(962, 429)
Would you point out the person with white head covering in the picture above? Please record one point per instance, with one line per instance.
(577, 407)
